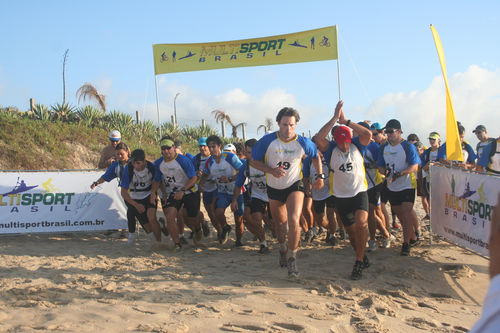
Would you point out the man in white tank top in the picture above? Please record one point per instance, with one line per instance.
(347, 180)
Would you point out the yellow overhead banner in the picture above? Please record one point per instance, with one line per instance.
(311, 45)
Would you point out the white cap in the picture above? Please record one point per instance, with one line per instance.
(229, 147)
(115, 135)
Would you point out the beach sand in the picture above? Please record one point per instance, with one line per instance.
(88, 282)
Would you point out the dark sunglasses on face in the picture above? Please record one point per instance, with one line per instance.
(375, 133)
(165, 147)
(389, 130)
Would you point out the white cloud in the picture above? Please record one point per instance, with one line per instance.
(475, 94)
(476, 100)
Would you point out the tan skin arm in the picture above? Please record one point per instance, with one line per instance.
(126, 196)
(318, 183)
(320, 138)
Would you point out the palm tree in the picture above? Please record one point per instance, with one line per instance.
(90, 92)
(220, 116)
(267, 127)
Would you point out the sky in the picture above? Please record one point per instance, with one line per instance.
(388, 61)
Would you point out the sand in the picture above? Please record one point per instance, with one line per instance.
(89, 282)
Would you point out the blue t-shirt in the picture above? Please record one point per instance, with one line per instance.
(468, 151)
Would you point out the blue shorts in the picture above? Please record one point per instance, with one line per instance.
(208, 197)
(225, 199)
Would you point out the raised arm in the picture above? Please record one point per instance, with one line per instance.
(320, 137)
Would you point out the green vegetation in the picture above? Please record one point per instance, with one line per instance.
(66, 137)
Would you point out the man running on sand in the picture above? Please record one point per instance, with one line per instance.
(279, 155)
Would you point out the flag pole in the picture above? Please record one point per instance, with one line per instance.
(338, 59)
(157, 106)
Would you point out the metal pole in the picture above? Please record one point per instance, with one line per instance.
(244, 132)
(175, 110)
(157, 107)
(338, 60)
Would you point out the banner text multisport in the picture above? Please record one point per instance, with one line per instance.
(35, 199)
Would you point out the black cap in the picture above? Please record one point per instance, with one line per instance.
(393, 123)
(479, 128)
(364, 124)
(138, 155)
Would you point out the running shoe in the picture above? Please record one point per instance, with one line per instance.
(321, 230)
(357, 270)
(131, 238)
(426, 217)
(309, 236)
(405, 249)
(206, 229)
(183, 240)
(292, 268)
(388, 241)
(164, 230)
(225, 233)
(342, 234)
(372, 246)
(366, 262)
(177, 248)
(197, 236)
(238, 243)
(414, 242)
(283, 262)
(333, 240)
(263, 249)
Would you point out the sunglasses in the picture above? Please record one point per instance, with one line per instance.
(375, 133)
(389, 130)
(166, 147)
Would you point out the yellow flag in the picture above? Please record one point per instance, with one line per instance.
(312, 45)
(453, 144)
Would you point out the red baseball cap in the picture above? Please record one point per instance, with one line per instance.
(342, 134)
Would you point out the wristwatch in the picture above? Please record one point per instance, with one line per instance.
(320, 176)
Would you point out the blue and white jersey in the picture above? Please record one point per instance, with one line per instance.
(396, 159)
(491, 160)
(140, 185)
(309, 171)
(467, 150)
(275, 153)
(347, 170)
(257, 181)
(115, 170)
(210, 184)
(175, 173)
(228, 166)
(373, 176)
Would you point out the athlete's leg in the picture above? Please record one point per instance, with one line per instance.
(153, 224)
(294, 204)
(170, 216)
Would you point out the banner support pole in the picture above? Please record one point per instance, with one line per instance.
(157, 106)
(338, 59)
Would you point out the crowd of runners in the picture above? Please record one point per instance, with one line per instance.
(290, 187)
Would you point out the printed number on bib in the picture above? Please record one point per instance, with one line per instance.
(345, 167)
(169, 180)
(285, 165)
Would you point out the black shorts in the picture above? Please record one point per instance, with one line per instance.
(191, 202)
(258, 206)
(142, 217)
(282, 195)
(374, 195)
(347, 207)
(397, 198)
(319, 205)
(246, 198)
(384, 192)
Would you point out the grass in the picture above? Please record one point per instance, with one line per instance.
(29, 144)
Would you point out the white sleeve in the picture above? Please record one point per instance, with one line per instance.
(490, 318)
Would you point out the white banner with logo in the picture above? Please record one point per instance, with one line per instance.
(33, 202)
(461, 206)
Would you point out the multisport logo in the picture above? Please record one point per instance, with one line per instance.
(22, 196)
(465, 208)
